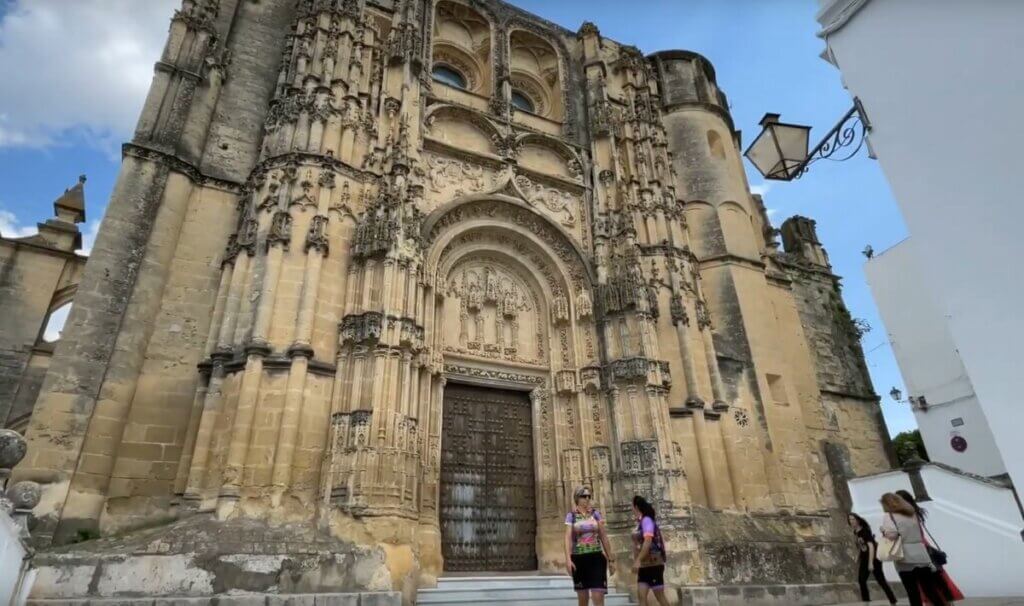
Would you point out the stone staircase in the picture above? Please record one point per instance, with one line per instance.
(526, 590)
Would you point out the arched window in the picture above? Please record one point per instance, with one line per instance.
(521, 101)
(55, 323)
(536, 72)
(449, 76)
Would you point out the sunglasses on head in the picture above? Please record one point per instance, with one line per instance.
(584, 496)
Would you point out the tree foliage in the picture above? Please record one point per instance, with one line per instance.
(909, 445)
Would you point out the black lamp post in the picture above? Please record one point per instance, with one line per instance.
(780, 151)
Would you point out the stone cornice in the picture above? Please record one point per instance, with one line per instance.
(730, 259)
(27, 242)
(181, 166)
(298, 159)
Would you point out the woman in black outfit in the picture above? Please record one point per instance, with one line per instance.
(868, 555)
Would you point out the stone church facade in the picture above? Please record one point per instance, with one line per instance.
(403, 273)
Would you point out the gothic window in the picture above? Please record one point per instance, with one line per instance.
(449, 76)
(462, 48)
(536, 74)
(521, 101)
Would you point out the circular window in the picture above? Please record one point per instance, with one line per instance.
(521, 101)
(449, 76)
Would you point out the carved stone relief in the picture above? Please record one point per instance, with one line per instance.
(455, 178)
(495, 311)
(560, 205)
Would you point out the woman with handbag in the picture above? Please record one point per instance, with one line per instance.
(939, 559)
(868, 558)
(903, 544)
(586, 543)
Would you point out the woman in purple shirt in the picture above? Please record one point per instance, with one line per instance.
(649, 551)
(586, 544)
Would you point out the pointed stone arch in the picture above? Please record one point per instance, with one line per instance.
(507, 201)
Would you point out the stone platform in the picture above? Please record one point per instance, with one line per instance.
(241, 561)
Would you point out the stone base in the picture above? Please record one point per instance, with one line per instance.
(200, 557)
(776, 595)
(389, 598)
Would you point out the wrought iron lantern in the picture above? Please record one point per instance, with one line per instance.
(780, 151)
(896, 394)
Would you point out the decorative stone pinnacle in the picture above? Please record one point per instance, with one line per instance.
(588, 28)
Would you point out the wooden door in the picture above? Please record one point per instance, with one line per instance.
(488, 515)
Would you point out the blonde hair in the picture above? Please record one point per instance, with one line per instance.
(579, 491)
(894, 503)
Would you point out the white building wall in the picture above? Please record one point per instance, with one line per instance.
(943, 87)
(15, 579)
(976, 523)
(930, 364)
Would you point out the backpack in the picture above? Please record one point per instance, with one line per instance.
(658, 542)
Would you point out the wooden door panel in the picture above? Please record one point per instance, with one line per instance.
(488, 515)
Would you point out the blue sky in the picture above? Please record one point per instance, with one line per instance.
(66, 112)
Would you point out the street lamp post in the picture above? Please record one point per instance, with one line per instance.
(780, 151)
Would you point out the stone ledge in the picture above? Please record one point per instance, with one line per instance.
(390, 598)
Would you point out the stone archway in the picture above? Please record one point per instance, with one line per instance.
(512, 308)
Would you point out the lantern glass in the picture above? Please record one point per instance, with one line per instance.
(780, 149)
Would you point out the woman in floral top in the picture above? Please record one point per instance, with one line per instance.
(586, 544)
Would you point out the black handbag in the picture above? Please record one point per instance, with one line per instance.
(938, 557)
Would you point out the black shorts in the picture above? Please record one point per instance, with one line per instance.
(591, 572)
(652, 577)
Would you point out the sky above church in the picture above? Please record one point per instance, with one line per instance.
(75, 73)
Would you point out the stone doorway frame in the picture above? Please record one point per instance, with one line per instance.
(531, 381)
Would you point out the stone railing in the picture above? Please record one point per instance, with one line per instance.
(16, 504)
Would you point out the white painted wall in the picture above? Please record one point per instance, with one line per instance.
(930, 364)
(13, 590)
(942, 84)
(976, 523)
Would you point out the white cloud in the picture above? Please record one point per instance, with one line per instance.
(11, 228)
(761, 188)
(771, 212)
(77, 65)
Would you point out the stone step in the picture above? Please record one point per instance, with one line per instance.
(524, 590)
(612, 599)
(505, 581)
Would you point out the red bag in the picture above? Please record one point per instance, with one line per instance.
(947, 587)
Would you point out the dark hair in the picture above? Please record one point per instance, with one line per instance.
(645, 508)
(863, 523)
(865, 528)
(909, 498)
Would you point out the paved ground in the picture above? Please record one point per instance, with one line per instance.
(971, 602)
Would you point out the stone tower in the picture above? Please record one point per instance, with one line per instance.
(398, 275)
